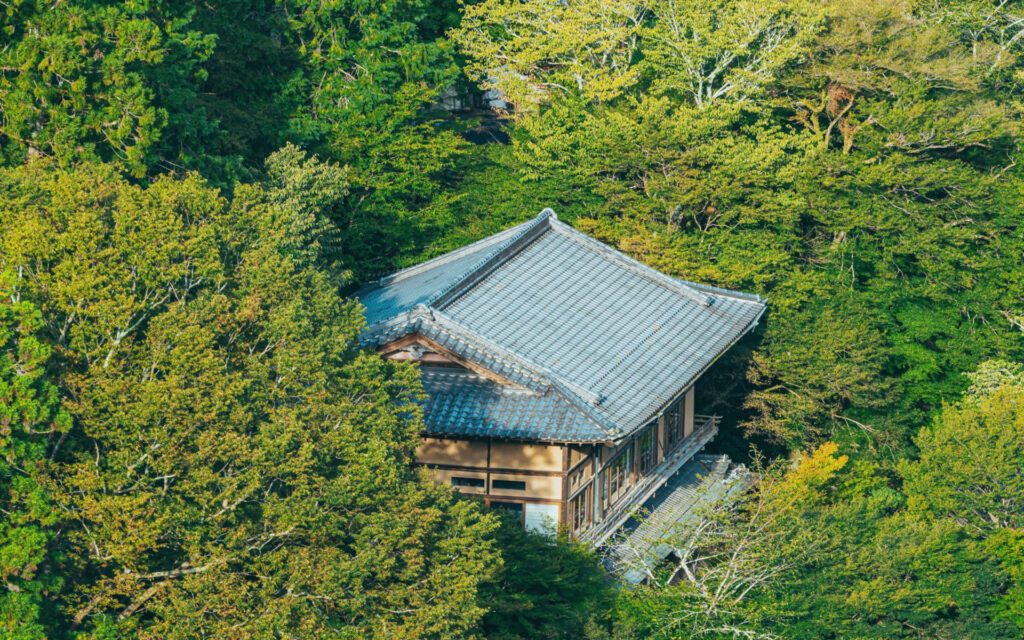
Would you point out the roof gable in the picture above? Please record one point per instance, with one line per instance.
(556, 311)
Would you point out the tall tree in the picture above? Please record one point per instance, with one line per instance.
(30, 419)
(104, 80)
(369, 75)
(969, 473)
(546, 589)
(236, 467)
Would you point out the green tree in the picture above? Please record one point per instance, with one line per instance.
(236, 467)
(971, 456)
(30, 418)
(827, 548)
(547, 588)
(969, 472)
(734, 548)
(369, 74)
(854, 162)
(103, 80)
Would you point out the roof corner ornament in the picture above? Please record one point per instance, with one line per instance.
(421, 311)
(548, 212)
(416, 351)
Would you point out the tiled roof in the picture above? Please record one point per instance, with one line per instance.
(556, 312)
(462, 403)
(419, 284)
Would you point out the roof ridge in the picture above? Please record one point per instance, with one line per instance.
(461, 333)
(534, 229)
(721, 291)
(566, 389)
(451, 256)
(679, 286)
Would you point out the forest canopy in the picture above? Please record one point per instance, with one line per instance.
(194, 445)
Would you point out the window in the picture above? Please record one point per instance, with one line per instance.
(616, 478)
(645, 456)
(475, 483)
(513, 485)
(673, 427)
(579, 509)
(515, 509)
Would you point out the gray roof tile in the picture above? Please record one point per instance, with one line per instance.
(548, 307)
(461, 403)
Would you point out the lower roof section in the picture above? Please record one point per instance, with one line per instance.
(461, 403)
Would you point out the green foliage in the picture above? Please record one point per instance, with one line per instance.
(712, 50)
(30, 418)
(534, 52)
(157, 87)
(236, 467)
(369, 71)
(969, 473)
(193, 445)
(969, 469)
(548, 588)
(826, 549)
(731, 550)
(103, 80)
(854, 162)
(313, 189)
(725, 50)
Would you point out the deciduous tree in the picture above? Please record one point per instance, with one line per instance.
(236, 467)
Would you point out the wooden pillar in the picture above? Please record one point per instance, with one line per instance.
(688, 414)
(659, 438)
(563, 509)
(631, 451)
(487, 475)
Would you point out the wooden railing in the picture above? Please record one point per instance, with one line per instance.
(705, 429)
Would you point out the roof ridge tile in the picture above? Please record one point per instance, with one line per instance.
(486, 266)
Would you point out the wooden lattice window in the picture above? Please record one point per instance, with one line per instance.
(673, 427)
(646, 454)
(579, 509)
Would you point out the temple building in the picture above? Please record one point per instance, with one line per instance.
(559, 373)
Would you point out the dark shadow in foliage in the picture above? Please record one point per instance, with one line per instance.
(247, 87)
(722, 391)
(548, 588)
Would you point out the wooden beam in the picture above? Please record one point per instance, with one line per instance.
(490, 469)
(448, 353)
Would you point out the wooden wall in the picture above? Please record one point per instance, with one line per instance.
(541, 469)
(550, 474)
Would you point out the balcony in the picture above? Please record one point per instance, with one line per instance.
(705, 430)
